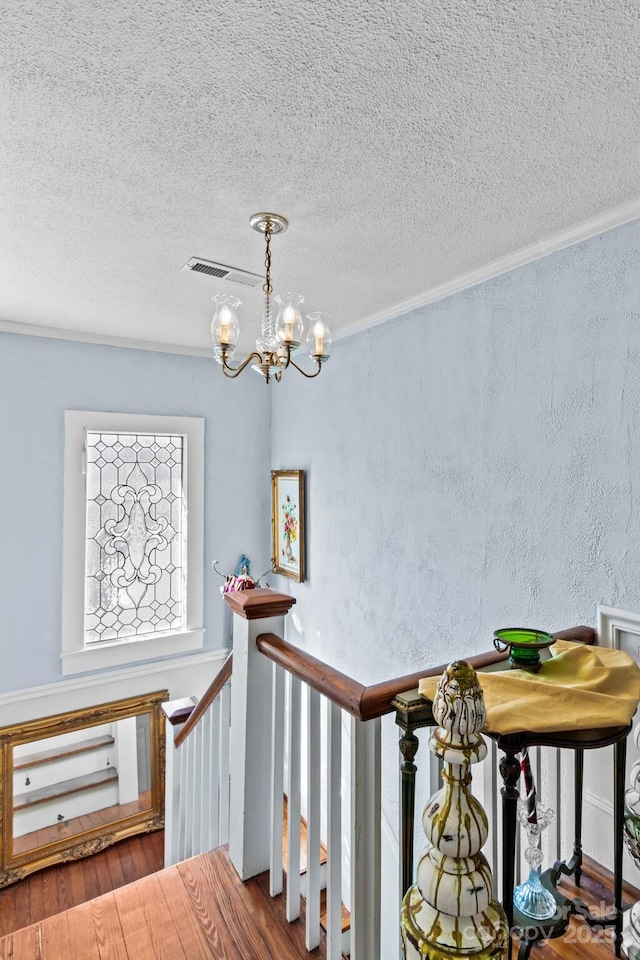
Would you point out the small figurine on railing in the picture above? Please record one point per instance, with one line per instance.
(241, 579)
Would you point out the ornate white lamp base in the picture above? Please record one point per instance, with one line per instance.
(429, 934)
(450, 911)
(631, 933)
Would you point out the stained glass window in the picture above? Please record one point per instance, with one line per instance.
(136, 536)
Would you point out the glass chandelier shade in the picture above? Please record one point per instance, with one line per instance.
(319, 336)
(225, 327)
(289, 325)
(277, 340)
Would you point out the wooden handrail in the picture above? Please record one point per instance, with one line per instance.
(203, 705)
(367, 703)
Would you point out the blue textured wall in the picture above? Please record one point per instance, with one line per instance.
(473, 465)
(39, 380)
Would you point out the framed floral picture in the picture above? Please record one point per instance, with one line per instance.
(287, 519)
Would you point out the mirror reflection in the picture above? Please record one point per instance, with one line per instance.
(78, 781)
(74, 783)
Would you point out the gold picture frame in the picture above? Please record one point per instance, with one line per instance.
(288, 545)
(33, 749)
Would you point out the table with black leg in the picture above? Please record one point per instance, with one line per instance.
(414, 712)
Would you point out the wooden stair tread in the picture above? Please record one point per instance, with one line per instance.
(58, 753)
(65, 788)
(303, 841)
(346, 916)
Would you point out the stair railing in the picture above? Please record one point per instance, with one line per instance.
(278, 691)
(272, 680)
(197, 771)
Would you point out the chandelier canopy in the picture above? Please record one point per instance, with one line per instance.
(277, 341)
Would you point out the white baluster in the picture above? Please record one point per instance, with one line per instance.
(293, 800)
(225, 724)
(365, 840)
(186, 798)
(213, 808)
(179, 764)
(198, 788)
(312, 931)
(334, 831)
(193, 806)
(172, 796)
(277, 781)
(206, 759)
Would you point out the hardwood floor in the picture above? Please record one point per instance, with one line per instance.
(196, 910)
(65, 885)
(580, 940)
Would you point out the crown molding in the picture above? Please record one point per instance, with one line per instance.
(103, 340)
(619, 216)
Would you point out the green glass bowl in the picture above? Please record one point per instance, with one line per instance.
(525, 646)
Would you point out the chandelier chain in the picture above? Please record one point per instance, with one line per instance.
(267, 261)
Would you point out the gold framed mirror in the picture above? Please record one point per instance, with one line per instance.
(74, 783)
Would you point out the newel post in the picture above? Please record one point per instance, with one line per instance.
(255, 612)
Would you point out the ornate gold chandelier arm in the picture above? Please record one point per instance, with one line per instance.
(233, 372)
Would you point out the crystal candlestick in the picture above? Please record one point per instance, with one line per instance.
(531, 898)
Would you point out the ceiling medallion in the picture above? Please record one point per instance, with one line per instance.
(277, 342)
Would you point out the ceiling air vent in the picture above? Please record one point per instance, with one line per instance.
(223, 272)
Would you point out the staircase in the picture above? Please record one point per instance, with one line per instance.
(292, 718)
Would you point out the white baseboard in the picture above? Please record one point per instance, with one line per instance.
(600, 803)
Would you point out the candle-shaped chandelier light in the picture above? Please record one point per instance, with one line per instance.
(277, 341)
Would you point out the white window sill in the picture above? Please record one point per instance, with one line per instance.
(132, 650)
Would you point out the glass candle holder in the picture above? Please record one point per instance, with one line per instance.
(531, 898)
(527, 648)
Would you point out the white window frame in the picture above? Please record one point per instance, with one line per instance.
(78, 656)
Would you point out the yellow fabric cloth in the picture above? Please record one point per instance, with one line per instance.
(580, 687)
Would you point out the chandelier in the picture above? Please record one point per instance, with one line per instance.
(277, 341)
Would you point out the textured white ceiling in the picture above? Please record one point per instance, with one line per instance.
(408, 142)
